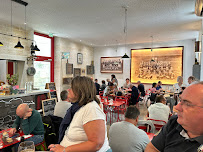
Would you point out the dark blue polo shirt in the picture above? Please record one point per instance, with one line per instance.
(170, 140)
(158, 87)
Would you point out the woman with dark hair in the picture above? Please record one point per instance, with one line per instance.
(153, 89)
(83, 127)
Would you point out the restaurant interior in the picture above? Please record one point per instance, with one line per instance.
(45, 44)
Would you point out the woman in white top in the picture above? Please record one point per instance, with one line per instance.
(177, 86)
(87, 130)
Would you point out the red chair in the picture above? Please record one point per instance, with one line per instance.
(157, 125)
(101, 94)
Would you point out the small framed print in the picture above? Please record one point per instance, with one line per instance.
(79, 58)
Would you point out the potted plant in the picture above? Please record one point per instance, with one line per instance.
(13, 80)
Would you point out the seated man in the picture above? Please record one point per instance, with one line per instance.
(159, 110)
(192, 80)
(134, 95)
(30, 122)
(183, 132)
(62, 106)
(124, 136)
(97, 85)
(127, 84)
(110, 90)
(141, 88)
(159, 86)
(103, 86)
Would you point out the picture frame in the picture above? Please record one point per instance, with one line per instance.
(79, 58)
(151, 65)
(111, 65)
(77, 72)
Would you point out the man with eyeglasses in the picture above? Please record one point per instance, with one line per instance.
(184, 132)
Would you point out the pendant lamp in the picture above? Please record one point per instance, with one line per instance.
(19, 45)
(1, 44)
(125, 30)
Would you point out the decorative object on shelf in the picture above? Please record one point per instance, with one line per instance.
(77, 72)
(90, 69)
(111, 65)
(125, 30)
(48, 106)
(12, 79)
(31, 71)
(83, 70)
(52, 87)
(79, 58)
(167, 65)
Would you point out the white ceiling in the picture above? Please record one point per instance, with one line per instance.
(101, 22)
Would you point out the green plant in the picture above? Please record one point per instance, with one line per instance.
(12, 80)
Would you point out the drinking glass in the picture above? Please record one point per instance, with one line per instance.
(26, 146)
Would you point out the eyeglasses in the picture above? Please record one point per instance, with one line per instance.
(188, 104)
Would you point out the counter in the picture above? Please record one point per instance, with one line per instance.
(28, 93)
(9, 103)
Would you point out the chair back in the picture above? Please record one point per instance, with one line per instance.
(157, 123)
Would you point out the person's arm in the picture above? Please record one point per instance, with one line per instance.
(29, 126)
(16, 123)
(150, 148)
(95, 131)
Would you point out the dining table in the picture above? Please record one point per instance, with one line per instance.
(16, 138)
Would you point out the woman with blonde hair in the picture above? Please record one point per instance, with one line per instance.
(83, 127)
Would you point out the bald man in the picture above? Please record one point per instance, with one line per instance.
(30, 121)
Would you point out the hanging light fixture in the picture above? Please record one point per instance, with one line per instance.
(152, 59)
(125, 30)
(19, 45)
(1, 44)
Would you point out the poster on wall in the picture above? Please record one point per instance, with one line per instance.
(111, 65)
(158, 64)
(65, 55)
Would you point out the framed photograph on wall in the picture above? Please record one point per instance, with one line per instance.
(79, 58)
(111, 65)
(157, 64)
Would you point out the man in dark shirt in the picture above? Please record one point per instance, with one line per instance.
(159, 86)
(183, 132)
(97, 86)
(141, 88)
(134, 95)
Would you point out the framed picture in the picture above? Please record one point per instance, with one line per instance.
(79, 58)
(157, 64)
(111, 65)
(77, 72)
(65, 55)
(69, 68)
(90, 69)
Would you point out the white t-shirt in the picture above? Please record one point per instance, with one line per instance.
(61, 107)
(159, 111)
(75, 134)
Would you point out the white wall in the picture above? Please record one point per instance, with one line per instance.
(188, 58)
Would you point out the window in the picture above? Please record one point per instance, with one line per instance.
(44, 63)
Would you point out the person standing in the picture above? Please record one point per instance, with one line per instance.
(97, 85)
(103, 86)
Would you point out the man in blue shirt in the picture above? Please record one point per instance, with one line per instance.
(159, 85)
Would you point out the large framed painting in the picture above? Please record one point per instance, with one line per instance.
(111, 65)
(157, 64)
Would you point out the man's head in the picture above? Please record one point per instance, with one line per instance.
(95, 80)
(127, 80)
(154, 85)
(180, 79)
(132, 114)
(160, 99)
(138, 82)
(64, 95)
(190, 109)
(111, 85)
(159, 83)
(191, 79)
(22, 109)
(103, 82)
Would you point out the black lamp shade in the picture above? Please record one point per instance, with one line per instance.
(36, 48)
(125, 56)
(19, 46)
(1, 44)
